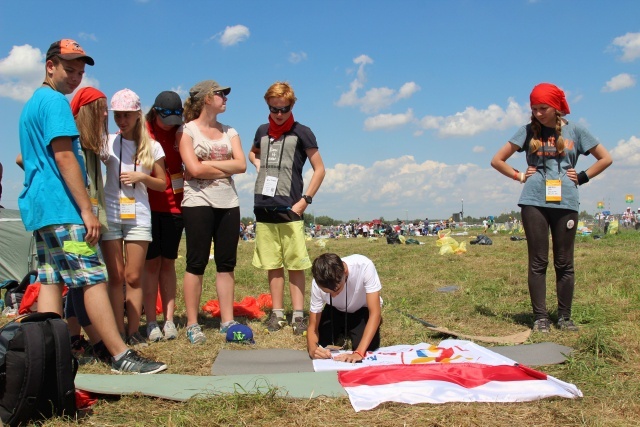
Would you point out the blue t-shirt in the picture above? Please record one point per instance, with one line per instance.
(552, 165)
(45, 199)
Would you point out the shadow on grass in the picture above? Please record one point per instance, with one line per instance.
(525, 319)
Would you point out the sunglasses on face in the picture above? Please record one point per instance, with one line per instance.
(283, 110)
(166, 112)
(220, 93)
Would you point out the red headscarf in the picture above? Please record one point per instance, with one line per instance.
(85, 96)
(552, 95)
(276, 130)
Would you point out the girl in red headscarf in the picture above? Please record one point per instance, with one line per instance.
(549, 199)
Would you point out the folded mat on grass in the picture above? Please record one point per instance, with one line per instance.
(261, 361)
(540, 354)
(182, 387)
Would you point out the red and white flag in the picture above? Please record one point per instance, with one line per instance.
(443, 382)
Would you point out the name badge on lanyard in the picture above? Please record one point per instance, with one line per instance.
(127, 208)
(270, 185)
(94, 205)
(177, 182)
(553, 190)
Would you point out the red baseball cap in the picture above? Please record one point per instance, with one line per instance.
(68, 49)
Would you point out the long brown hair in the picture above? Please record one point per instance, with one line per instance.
(536, 129)
(92, 125)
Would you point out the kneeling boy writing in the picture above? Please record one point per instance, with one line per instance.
(345, 304)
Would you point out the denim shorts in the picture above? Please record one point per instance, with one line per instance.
(127, 232)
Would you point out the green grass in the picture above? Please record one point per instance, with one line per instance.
(492, 300)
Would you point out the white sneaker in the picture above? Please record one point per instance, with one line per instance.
(153, 332)
(170, 331)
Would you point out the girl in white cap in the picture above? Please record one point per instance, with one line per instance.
(134, 163)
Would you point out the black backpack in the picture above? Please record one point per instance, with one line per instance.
(15, 291)
(37, 369)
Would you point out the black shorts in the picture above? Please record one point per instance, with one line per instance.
(333, 330)
(166, 232)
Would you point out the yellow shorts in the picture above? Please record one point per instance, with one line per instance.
(281, 245)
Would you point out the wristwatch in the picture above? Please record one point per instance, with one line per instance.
(307, 199)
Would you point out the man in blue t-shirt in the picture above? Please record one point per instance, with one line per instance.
(55, 204)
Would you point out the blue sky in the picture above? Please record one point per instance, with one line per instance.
(409, 100)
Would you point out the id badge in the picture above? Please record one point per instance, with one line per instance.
(554, 190)
(270, 185)
(94, 205)
(127, 208)
(177, 183)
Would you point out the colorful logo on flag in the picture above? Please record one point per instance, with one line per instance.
(600, 205)
(629, 198)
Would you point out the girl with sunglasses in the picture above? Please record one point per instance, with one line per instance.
(550, 198)
(134, 163)
(163, 120)
(212, 154)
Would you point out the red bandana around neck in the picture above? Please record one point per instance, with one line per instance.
(276, 131)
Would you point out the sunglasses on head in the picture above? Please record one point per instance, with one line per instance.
(166, 112)
(283, 110)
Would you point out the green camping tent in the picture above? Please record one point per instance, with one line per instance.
(17, 247)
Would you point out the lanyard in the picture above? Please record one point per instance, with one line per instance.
(135, 161)
(346, 306)
(284, 138)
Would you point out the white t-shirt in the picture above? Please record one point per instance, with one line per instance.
(363, 279)
(114, 189)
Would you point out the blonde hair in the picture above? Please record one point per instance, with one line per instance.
(141, 137)
(92, 125)
(536, 129)
(281, 90)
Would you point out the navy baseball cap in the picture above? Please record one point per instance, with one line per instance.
(240, 334)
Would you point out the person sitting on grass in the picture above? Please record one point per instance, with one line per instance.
(345, 304)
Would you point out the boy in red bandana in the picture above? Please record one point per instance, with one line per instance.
(280, 150)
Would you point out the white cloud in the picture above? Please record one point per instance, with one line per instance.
(479, 149)
(619, 82)
(374, 99)
(234, 35)
(472, 121)
(400, 187)
(627, 153)
(629, 44)
(180, 91)
(295, 57)
(21, 72)
(88, 36)
(388, 121)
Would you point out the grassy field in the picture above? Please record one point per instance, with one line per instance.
(492, 300)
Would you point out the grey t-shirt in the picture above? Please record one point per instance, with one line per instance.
(553, 166)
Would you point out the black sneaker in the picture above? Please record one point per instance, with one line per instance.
(133, 363)
(542, 325)
(82, 350)
(299, 325)
(136, 341)
(275, 323)
(566, 324)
